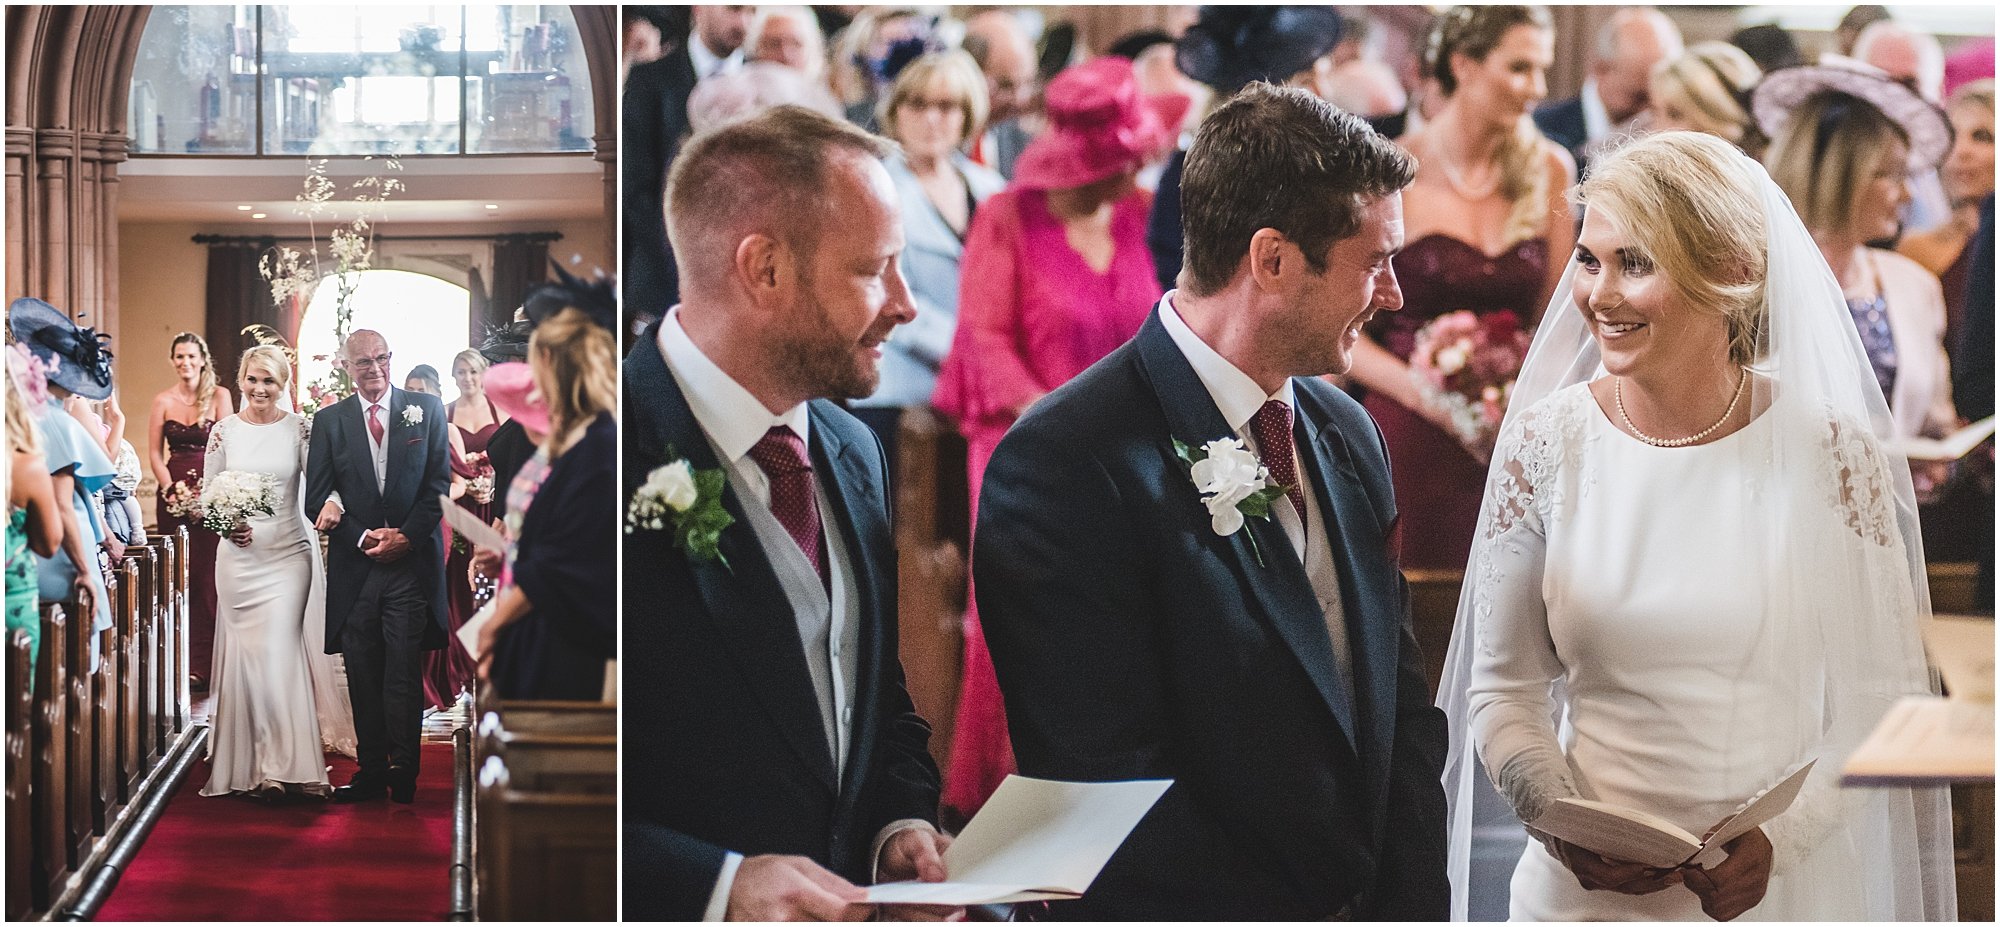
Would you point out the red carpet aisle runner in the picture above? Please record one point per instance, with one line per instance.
(237, 859)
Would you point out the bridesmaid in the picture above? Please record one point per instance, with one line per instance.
(473, 422)
(1483, 218)
(176, 441)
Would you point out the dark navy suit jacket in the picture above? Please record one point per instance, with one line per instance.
(1133, 642)
(1563, 123)
(726, 750)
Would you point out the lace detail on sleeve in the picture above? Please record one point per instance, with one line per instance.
(215, 438)
(1857, 478)
(1516, 662)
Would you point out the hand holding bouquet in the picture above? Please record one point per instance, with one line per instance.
(1465, 366)
(183, 501)
(480, 487)
(233, 497)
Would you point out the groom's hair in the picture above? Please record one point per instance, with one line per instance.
(1283, 159)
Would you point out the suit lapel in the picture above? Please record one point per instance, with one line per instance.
(856, 503)
(1278, 586)
(1367, 583)
(743, 601)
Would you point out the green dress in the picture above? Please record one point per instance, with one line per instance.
(22, 604)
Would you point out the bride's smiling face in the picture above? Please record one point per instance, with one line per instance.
(1640, 322)
(261, 388)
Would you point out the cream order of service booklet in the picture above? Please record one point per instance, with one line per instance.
(1629, 834)
(1035, 839)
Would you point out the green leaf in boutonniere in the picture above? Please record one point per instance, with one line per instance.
(1234, 484)
(688, 502)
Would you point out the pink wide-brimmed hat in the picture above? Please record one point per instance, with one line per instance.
(1100, 126)
(511, 386)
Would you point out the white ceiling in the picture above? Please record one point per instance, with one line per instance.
(444, 189)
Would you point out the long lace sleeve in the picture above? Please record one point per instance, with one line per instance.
(1515, 660)
(216, 459)
(1870, 577)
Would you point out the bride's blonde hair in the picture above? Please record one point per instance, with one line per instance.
(1688, 201)
(272, 359)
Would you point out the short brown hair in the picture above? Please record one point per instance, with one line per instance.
(1283, 159)
(766, 174)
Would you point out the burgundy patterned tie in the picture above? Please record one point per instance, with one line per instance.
(375, 422)
(782, 454)
(1272, 425)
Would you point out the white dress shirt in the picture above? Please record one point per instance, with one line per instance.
(734, 420)
(378, 451)
(1238, 398)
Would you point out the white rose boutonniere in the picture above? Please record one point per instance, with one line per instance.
(676, 497)
(1234, 485)
(413, 415)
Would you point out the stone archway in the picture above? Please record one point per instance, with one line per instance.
(69, 73)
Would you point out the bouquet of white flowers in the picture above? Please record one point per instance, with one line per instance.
(233, 496)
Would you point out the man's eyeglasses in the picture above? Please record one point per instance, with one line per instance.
(370, 363)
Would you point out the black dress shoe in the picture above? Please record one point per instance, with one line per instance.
(363, 787)
(402, 784)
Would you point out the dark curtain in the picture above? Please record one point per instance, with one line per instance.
(476, 300)
(520, 262)
(237, 296)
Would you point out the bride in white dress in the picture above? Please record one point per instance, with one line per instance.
(279, 702)
(1696, 567)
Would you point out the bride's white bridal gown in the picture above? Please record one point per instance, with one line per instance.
(1633, 576)
(278, 703)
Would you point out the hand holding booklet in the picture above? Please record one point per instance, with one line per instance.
(477, 533)
(1650, 840)
(1033, 840)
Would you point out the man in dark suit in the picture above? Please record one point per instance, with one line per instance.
(1265, 664)
(656, 118)
(781, 760)
(384, 450)
(1621, 65)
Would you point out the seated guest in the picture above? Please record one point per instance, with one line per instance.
(1844, 146)
(759, 86)
(34, 520)
(787, 35)
(1968, 178)
(1707, 89)
(937, 103)
(554, 622)
(998, 44)
(1628, 45)
(782, 760)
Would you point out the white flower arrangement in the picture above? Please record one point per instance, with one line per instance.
(687, 502)
(231, 497)
(1234, 485)
(413, 415)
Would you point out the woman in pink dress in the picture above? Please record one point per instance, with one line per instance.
(1055, 275)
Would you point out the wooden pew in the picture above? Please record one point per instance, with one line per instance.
(46, 792)
(545, 811)
(20, 746)
(152, 747)
(930, 573)
(80, 740)
(131, 676)
(105, 702)
(1433, 609)
(159, 651)
(183, 626)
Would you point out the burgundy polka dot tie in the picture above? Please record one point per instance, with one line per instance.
(1273, 427)
(782, 454)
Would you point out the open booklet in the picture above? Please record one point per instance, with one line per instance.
(1926, 740)
(1950, 447)
(1650, 840)
(1034, 840)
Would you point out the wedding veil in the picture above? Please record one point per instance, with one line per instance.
(1843, 605)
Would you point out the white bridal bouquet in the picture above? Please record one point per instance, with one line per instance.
(232, 497)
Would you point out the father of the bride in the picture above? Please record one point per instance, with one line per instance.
(384, 451)
(1143, 627)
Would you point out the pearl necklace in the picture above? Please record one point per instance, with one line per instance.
(1457, 180)
(1618, 398)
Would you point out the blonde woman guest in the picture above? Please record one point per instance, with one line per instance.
(34, 522)
(278, 707)
(935, 105)
(1845, 144)
(177, 429)
(1707, 89)
(555, 623)
(1486, 226)
(1968, 179)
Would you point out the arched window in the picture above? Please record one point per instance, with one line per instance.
(423, 319)
(356, 80)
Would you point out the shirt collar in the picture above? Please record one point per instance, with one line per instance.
(730, 415)
(1236, 396)
(1596, 120)
(706, 62)
(388, 396)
